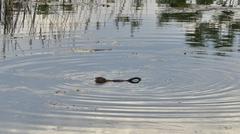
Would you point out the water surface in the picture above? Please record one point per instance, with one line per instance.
(188, 61)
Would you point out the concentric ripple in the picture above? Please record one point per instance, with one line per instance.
(174, 89)
(184, 88)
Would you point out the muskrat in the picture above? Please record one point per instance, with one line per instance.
(102, 80)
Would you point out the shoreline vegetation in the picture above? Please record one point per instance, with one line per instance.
(47, 20)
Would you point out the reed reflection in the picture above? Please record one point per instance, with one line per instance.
(188, 3)
(206, 27)
(133, 17)
(26, 24)
(220, 33)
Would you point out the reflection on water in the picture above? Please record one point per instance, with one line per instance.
(221, 32)
(217, 29)
(186, 52)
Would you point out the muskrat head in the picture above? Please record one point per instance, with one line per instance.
(100, 80)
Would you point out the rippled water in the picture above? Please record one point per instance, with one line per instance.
(189, 65)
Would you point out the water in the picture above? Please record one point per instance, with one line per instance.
(189, 65)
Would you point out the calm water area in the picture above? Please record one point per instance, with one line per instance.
(188, 57)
